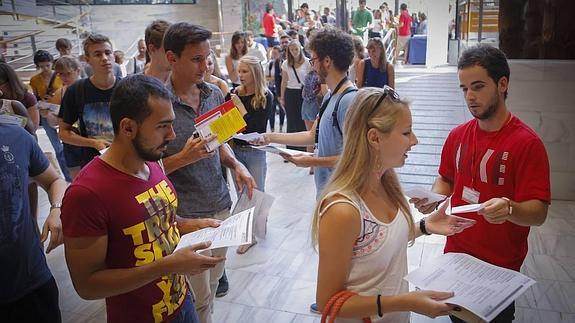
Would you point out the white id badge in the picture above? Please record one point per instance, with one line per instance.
(470, 195)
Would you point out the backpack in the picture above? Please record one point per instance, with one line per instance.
(334, 113)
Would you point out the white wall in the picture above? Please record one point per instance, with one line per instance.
(541, 93)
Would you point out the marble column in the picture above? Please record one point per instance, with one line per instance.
(542, 94)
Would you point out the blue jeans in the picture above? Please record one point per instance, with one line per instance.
(187, 313)
(52, 134)
(255, 162)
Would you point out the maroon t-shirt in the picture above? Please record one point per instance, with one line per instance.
(29, 100)
(512, 163)
(138, 216)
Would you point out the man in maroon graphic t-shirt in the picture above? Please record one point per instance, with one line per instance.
(119, 216)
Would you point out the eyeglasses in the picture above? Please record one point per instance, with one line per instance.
(388, 92)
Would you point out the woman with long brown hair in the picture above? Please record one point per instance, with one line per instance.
(294, 71)
(375, 70)
(238, 49)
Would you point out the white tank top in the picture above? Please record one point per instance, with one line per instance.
(379, 260)
(6, 106)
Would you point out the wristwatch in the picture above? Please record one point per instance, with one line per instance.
(55, 206)
(509, 207)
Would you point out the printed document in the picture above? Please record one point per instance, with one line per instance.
(262, 204)
(481, 288)
(233, 231)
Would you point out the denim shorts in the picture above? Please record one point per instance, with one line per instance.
(309, 110)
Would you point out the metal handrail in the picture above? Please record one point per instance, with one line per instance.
(389, 43)
(34, 33)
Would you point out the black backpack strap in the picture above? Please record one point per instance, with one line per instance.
(296, 76)
(334, 113)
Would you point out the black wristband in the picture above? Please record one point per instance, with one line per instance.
(422, 227)
(379, 313)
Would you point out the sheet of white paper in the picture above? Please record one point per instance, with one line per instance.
(466, 208)
(249, 136)
(234, 231)
(482, 288)
(262, 203)
(280, 150)
(421, 193)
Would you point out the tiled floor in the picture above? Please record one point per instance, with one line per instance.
(275, 281)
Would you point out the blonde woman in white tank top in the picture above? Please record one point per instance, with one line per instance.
(363, 225)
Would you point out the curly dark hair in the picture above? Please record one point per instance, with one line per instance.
(335, 44)
(42, 56)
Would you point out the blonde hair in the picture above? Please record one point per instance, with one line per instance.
(382, 63)
(355, 165)
(67, 63)
(259, 100)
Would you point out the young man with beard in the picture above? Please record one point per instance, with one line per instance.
(87, 101)
(195, 172)
(331, 54)
(159, 66)
(496, 160)
(119, 216)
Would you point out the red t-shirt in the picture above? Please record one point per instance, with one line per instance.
(512, 163)
(269, 25)
(405, 19)
(138, 217)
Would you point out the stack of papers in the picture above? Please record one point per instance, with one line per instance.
(482, 289)
(261, 203)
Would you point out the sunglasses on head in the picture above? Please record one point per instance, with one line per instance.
(388, 92)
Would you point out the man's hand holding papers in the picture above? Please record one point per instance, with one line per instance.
(190, 225)
(187, 260)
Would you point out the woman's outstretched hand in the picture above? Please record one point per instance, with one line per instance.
(439, 222)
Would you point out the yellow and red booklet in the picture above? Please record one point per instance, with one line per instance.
(223, 122)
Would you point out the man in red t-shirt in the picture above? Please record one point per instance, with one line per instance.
(404, 32)
(496, 160)
(269, 23)
(119, 216)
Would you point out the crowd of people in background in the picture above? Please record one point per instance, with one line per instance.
(122, 129)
